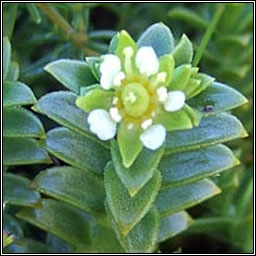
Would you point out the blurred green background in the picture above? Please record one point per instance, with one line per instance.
(40, 33)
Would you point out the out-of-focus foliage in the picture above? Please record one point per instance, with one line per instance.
(39, 34)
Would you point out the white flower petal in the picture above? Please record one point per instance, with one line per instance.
(162, 94)
(115, 115)
(147, 61)
(175, 101)
(147, 123)
(111, 64)
(119, 77)
(102, 124)
(106, 81)
(153, 137)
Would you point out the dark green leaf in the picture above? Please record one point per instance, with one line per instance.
(9, 17)
(212, 130)
(13, 72)
(34, 13)
(77, 150)
(60, 107)
(128, 211)
(141, 171)
(217, 97)
(19, 122)
(12, 226)
(73, 74)
(18, 151)
(171, 200)
(191, 166)
(18, 192)
(159, 37)
(143, 238)
(174, 224)
(27, 245)
(16, 93)
(6, 56)
(73, 186)
(60, 219)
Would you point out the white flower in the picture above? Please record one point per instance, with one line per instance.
(147, 61)
(102, 124)
(153, 137)
(174, 101)
(115, 115)
(147, 123)
(110, 71)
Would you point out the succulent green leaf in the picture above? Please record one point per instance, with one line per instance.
(12, 226)
(140, 172)
(96, 98)
(16, 93)
(13, 72)
(61, 108)
(180, 78)
(26, 246)
(113, 43)
(72, 74)
(9, 18)
(216, 98)
(124, 40)
(60, 219)
(34, 13)
(7, 240)
(94, 64)
(129, 143)
(185, 118)
(76, 150)
(6, 56)
(194, 89)
(128, 211)
(159, 37)
(183, 51)
(73, 186)
(212, 130)
(190, 166)
(19, 122)
(19, 151)
(173, 225)
(143, 238)
(172, 200)
(167, 65)
(17, 191)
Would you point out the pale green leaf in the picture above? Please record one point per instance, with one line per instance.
(216, 98)
(73, 186)
(172, 200)
(77, 150)
(159, 37)
(13, 72)
(190, 166)
(183, 51)
(16, 93)
(127, 210)
(60, 107)
(73, 74)
(174, 224)
(19, 151)
(212, 130)
(143, 238)
(6, 56)
(140, 172)
(19, 122)
(17, 191)
(60, 219)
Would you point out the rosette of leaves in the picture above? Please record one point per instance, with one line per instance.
(101, 204)
(22, 132)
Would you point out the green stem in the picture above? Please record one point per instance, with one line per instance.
(78, 39)
(208, 34)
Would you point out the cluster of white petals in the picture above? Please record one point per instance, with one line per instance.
(104, 123)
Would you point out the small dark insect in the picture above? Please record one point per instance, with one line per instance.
(208, 108)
